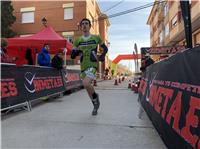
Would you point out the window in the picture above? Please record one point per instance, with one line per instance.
(154, 29)
(26, 35)
(27, 17)
(69, 36)
(27, 14)
(166, 29)
(161, 36)
(174, 21)
(166, 9)
(70, 39)
(68, 13)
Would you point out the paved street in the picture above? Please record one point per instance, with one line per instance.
(67, 123)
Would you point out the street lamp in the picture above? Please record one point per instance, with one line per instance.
(44, 22)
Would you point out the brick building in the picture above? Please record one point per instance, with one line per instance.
(64, 16)
(167, 26)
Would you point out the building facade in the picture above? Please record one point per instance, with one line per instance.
(64, 16)
(167, 26)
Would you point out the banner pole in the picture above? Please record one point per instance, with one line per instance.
(65, 58)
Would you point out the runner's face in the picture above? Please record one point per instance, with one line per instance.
(85, 26)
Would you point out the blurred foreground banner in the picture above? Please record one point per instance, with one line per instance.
(170, 94)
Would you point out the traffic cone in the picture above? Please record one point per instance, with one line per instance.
(115, 82)
(129, 84)
(95, 83)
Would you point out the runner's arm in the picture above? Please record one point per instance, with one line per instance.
(75, 52)
(105, 50)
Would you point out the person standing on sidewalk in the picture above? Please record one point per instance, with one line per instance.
(86, 47)
(44, 58)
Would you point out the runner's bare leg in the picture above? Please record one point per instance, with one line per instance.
(88, 86)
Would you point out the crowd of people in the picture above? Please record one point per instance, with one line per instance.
(43, 58)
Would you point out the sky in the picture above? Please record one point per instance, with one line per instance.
(127, 29)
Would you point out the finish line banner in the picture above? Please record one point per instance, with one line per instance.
(170, 94)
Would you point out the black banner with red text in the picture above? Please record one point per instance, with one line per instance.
(170, 94)
(39, 82)
(10, 82)
(72, 79)
(26, 83)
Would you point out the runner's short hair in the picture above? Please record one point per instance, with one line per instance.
(85, 19)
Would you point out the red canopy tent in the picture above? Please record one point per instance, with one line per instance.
(17, 46)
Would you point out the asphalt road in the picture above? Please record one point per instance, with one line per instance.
(67, 122)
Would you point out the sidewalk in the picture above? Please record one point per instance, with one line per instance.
(67, 123)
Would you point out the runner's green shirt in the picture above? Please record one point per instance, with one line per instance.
(88, 47)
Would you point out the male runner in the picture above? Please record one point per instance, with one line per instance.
(86, 47)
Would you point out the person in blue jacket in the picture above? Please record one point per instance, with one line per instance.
(44, 56)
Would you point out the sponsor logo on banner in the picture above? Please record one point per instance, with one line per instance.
(46, 83)
(35, 84)
(72, 77)
(161, 50)
(28, 84)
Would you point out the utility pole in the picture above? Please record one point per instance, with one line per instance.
(135, 61)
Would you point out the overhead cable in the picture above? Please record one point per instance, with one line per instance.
(132, 10)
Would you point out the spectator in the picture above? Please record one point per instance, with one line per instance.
(4, 56)
(57, 61)
(109, 73)
(147, 61)
(106, 73)
(28, 56)
(44, 56)
(112, 72)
